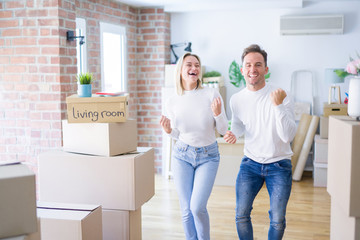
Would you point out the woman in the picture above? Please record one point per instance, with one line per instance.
(192, 116)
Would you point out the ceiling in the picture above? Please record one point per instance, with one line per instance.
(208, 5)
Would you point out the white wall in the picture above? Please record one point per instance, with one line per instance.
(220, 37)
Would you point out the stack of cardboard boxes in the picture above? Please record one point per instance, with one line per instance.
(344, 177)
(100, 164)
(320, 160)
(321, 143)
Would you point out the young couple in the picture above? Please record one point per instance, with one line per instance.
(262, 113)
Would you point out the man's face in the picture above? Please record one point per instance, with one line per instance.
(254, 71)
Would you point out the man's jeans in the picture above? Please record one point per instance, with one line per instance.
(251, 177)
(194, 170)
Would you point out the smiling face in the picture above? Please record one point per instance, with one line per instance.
(254, 71)
(190, 72)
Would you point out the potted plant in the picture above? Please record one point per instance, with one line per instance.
(84, 81)
(236, 77)
(212, 79)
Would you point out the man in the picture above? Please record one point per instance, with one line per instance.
(264, 114)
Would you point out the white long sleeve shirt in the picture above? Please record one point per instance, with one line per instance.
(191, 118)
(268, 129)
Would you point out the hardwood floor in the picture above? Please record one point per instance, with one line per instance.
(308, 213)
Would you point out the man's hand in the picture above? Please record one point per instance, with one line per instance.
(229, 137)
(216, 106)
(165, 123)
(277, 97)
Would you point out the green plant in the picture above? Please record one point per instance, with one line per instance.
(85, 78)
(211, 74)
(236, 78)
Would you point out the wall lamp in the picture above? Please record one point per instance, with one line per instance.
(187, 49)
(70, 36)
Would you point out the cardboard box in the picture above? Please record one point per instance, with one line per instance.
(170, 75)
(344, 163)
(321, 149)
(124, 225)
(123, 182)
(335, 109)
(104, 139)
(230, 160)
(36, 235)
(70, 221)
(324, 127)
(341, 225)
(31, 236)
(18, 200)
(97, 109)
(320, 174)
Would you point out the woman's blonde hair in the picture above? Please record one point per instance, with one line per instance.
(178, 80)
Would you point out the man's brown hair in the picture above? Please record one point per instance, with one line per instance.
(254, 48)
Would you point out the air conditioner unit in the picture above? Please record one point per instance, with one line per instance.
(311, 24)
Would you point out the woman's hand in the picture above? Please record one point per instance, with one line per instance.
(165, 123)
(229, 137)
(216, 106)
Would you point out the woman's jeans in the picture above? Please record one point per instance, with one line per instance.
(194, 170)
(251, 177)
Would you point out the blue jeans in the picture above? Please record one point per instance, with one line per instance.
(251, 177)
(194, 170)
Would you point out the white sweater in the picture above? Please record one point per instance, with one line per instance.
(268, 129)
(191, 118)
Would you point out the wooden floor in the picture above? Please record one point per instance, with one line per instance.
(308, 213)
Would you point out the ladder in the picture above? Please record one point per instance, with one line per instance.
(304, 79)
(302, 106)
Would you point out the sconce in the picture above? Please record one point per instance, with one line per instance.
(187, 49)
(70, 36)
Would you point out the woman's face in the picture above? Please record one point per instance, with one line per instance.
(190, 71)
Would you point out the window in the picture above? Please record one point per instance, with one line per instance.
(113, 52)
(81, 48)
